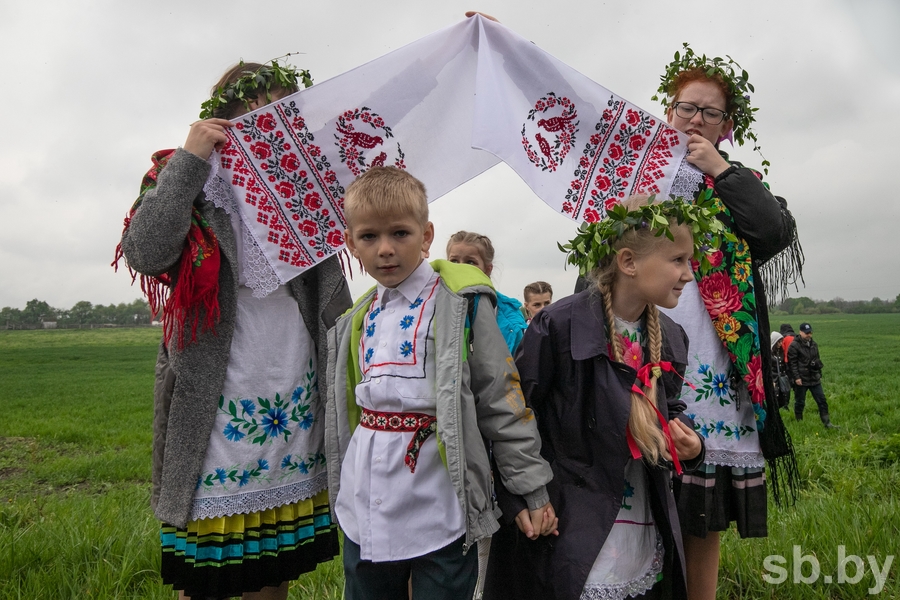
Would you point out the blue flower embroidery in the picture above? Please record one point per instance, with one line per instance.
(737, 433)
(221, 475)
(297, 396)
(416, 304)
(301, 466)
(703, 370)
(406, 348)
(720, 385)
(244, 478)
(286, 461)
(369, 354)
(720, 425)
(307, 421)
(406, 322)
(263, 464)
(275, 422)
(233, 433)
(248, 406)
(374, 314)
(370, 330)
(704, 431)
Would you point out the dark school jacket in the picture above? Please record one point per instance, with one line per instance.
(582, 400)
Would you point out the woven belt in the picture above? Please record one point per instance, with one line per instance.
(418, 423)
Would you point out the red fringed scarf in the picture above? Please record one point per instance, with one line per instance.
(194, 290)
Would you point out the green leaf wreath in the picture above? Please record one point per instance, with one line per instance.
(594, 241)
(251, 83)
(735, 77)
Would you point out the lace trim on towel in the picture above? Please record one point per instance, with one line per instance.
(630, 588)
(241, 504)
(726, 458)
(687, 180)
(260, 276)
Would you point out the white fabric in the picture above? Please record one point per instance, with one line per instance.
(389, 511)
(255, 271)
(272, 368)
(447, 108)
(729, 434)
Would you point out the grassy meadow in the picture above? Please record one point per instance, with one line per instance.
(75, 438)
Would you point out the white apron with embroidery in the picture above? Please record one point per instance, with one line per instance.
(729, 434)
(266, 448)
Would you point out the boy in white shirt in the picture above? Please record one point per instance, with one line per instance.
(421, 376)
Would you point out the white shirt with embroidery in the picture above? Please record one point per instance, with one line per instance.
(729, 432)
(390, 512)
(632, 555)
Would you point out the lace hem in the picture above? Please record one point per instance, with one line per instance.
(727, 458)
(240, 504)
(687, 180)
(259, 274)
(634, 587)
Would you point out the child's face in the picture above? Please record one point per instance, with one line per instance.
(535, 302)
(390, 247)
(467, 254)
(660, 276)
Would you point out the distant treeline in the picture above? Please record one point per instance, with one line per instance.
(38, 314)
(808, 306)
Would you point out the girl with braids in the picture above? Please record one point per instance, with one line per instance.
(602, 372)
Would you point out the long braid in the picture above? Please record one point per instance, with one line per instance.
(642, 420)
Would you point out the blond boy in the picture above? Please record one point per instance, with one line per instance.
(420, 379)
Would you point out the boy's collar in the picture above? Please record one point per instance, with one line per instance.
(411, 287)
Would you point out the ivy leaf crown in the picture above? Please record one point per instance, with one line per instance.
(251, 83)
(734, 76)
(594, 243)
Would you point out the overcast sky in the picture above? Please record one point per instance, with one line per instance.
(92, 88)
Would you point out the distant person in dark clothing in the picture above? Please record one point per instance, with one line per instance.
(805, 367)
(780, 377)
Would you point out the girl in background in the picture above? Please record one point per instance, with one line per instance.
(475, 249)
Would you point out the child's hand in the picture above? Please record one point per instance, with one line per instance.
(542, 521)
(206, 136)
(687, 442)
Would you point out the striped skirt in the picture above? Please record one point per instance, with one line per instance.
(713, 496)
(227, 556)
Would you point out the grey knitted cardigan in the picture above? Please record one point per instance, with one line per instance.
(189, 381)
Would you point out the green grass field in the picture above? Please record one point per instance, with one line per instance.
(75, 441)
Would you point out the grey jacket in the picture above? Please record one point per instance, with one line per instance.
(189, 381)
(478, 398)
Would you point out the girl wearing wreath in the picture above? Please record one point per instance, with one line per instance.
(239, 479)
(732, 401)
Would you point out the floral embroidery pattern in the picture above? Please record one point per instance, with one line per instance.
(265, 420)
(406, 348)
(352, 144)
(720, 428)
(416, 304)
(250, 473)
(628, 493)
(561, 126)
(626, 155)
(291, 465)
(406, 322)
(726, 287)
(277, 169)
(711, 385)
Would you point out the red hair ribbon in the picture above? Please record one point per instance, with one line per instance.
(644, 375)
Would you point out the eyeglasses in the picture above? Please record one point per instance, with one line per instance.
(711, 116)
